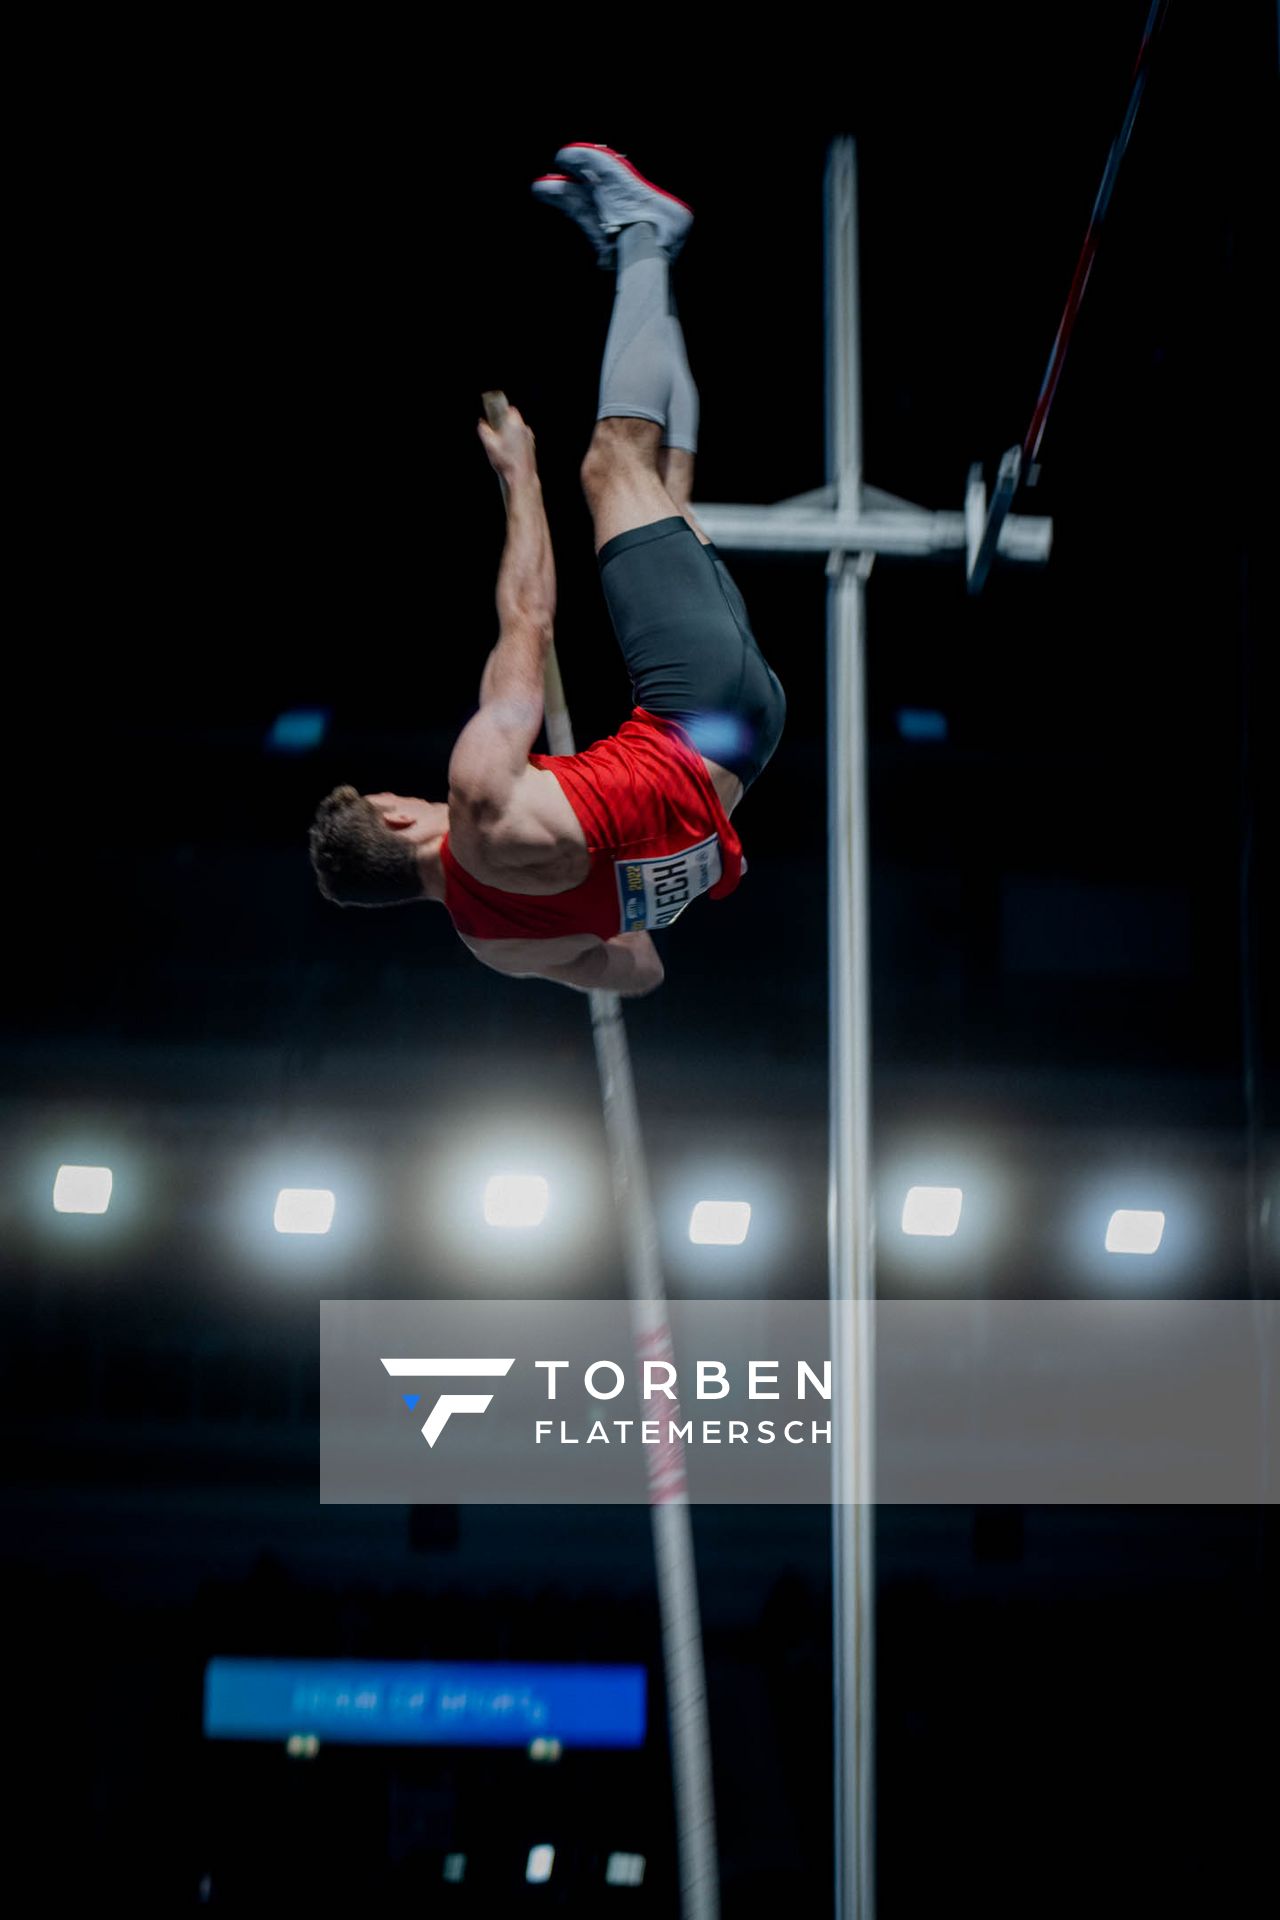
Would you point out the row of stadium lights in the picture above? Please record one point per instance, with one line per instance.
(521, 1200)
(621, 1869)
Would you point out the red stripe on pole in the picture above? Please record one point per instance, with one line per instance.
(1088, 251)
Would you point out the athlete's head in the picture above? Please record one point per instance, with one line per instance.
(375, 849)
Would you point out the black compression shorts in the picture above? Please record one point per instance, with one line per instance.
(688, 645)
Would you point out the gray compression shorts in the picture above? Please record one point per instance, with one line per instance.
(688, 644)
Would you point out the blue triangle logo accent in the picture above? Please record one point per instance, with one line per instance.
(410, 1400)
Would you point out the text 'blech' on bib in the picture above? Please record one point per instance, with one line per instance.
(653, 892)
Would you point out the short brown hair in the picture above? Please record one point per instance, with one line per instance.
(359, 860)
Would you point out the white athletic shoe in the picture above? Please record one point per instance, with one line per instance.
(623, 196)
(571, 197)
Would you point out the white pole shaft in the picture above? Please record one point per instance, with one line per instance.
(677, 1580)
(851, 1245)
(843, 327)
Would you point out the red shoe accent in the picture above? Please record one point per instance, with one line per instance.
(595, 147)
(549, 176)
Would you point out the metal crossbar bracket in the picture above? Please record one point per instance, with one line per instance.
(985, 527)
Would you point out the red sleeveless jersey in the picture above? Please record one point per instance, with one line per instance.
(656, 833)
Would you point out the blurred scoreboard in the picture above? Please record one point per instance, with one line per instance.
(425, 1703)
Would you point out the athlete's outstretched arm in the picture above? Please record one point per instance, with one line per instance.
(492, 750)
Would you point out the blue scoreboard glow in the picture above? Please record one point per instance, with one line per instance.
(422, 1703)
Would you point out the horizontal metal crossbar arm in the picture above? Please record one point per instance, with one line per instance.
(913, 533)
(874, 500)
(816, 497)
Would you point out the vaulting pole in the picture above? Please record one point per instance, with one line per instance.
(677, 1580)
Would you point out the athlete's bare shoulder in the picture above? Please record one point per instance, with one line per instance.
(535, 844)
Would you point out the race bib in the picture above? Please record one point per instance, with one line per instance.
(653, 893)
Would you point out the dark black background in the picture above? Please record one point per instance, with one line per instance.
(269, 276)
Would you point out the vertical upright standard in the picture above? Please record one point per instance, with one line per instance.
(850, 1219)
(850, 523)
